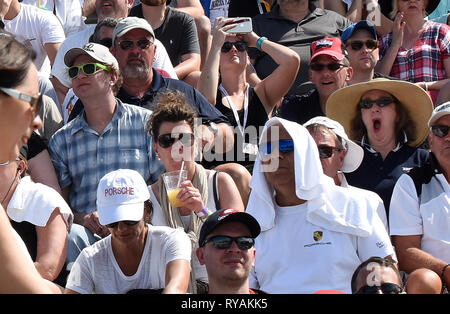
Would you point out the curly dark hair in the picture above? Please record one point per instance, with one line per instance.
(404, 124)
(171, 106)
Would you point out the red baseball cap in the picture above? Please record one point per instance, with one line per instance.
(329, 46)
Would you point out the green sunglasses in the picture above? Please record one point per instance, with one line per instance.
(87, 68)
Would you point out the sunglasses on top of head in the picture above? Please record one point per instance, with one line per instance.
(440, 130)
(326, 151)
(87, 68)
(128, 44)
(225, 242)
(357, 45)
(35, 102)
(381, 102)
(284, 146)
(385, 288)
(167, 140)
(127, 222)
(318, 67)
(240, 46)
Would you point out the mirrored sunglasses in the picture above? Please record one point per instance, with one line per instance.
(128, 44)
(127, 222)
(386, 288)
(167, 140)
(318, 67)
(240, 46)
(381, 102)
(440, 130)
(87, 68)
(357, 45)
(225, 242)
(326, 151)
(35, 102)
(284, 146)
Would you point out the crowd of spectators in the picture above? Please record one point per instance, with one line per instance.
(315, 146)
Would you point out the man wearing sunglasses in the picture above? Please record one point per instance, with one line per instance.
(338, 155)
(106, 136)
(419, 211)
(329, 70)
(361, 43)
(133, 47)
(226, 248)
(136, 255)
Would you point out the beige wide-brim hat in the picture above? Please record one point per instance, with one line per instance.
(342, 105)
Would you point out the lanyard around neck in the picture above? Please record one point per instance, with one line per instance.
(235, 113)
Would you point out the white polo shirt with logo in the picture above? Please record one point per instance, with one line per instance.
(299, 257)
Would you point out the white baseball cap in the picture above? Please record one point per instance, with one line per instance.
(98, 52)
(120, 196)
(438, 112)
(355, 153)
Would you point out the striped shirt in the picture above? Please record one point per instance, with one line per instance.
(82, 157)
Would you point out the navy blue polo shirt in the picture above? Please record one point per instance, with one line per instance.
(380, 176)
(205, 110)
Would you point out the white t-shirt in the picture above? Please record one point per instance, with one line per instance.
(298, 257)
(96, 269)
(158, 219)
(36, 27)
(431, 219)
(69, 13)
(59, 69)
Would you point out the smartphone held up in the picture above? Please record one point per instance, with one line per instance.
(243, 25)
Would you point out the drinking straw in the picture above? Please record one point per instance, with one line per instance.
(179, 177)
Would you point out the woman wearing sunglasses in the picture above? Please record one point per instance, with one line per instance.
(389, 120)
(172, 127)
(224, 82)
(416, 50)
(19, 95)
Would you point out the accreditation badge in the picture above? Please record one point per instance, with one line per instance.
(251, 149)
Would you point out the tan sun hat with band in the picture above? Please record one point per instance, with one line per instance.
(342, 105)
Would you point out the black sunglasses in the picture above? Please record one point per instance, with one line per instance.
(386, 288)
(440, 130)
(327, 151)
(127, 222)
(358, 44)
(224, 242)
(240, 46)
(128, 44)
(318, 67)
(381, 102)
(87, 68)
(107, 42)
(35, 102)
(167, 140)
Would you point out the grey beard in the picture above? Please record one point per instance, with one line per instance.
(135, 71)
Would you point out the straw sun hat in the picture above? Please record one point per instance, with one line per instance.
(342, 105)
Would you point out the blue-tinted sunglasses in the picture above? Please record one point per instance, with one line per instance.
(284, 146)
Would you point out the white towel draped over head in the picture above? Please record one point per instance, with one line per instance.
(328, 206)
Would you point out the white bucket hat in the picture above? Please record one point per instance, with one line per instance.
(355, 153)
(120, 196)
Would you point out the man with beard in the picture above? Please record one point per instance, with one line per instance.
(226, 248)
(103, 8)
(177, 32)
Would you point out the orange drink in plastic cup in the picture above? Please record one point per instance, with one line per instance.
(171, 180)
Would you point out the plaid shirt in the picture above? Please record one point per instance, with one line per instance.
(82, 157)
(425, 61)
